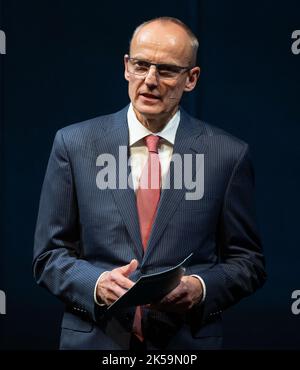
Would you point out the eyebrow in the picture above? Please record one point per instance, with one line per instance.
(149, 61)
(170, 65)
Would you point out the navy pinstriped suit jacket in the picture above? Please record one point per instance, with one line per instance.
(82, 231)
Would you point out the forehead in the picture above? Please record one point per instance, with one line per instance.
(167, 43)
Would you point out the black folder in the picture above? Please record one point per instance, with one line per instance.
(152, 287)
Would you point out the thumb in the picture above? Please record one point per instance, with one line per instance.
(128, 269)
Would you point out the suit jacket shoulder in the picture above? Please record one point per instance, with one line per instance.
(221, 145)
(85, 132)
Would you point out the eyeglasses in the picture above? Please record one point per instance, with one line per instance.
(141, 68)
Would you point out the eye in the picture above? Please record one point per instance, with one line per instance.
(141, 65)
(166, 70)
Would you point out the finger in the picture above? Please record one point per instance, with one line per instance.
(116, 291)
(112, 292)
(114, 284)
(129, 269)
(110, 298)
(117, 278)
(174, 296)
(107, 296)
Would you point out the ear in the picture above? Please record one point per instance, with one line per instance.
(192, 79)
(126, 74)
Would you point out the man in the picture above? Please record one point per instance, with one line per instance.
(92, 242)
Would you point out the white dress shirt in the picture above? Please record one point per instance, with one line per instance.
(139, 155)
(138, 149)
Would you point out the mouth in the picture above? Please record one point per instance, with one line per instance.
(150, 96)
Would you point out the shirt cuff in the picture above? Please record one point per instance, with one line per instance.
(203, 287)
(95, 290)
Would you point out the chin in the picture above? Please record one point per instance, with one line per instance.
(148, 110)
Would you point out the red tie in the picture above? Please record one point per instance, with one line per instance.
(147, 196)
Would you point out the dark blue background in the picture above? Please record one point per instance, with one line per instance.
(64, 64)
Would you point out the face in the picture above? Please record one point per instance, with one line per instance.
(154, 98)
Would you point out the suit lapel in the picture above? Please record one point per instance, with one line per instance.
(117, 136)
(188, 141)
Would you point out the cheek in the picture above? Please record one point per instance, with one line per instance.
(133, 87)
(174, 93)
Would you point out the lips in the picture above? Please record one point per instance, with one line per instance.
(150, 96)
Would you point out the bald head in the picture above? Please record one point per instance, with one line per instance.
(171, 29)
(165, 50)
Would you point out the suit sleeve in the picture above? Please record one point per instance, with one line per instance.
(57, 263)
(241, 267)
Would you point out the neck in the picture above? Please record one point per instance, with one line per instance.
(155, 123)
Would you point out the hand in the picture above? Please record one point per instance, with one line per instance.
(181, 299)
(113, 284)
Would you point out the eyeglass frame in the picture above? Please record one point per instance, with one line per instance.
(157, 65)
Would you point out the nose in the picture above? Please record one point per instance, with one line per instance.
(151, 78)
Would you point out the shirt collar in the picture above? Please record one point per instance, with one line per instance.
(137, 131)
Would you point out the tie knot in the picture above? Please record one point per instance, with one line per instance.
(152, 143)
